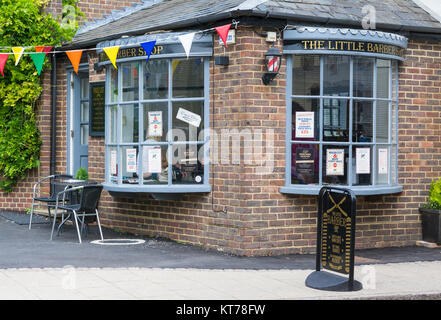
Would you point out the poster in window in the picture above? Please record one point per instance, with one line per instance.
(304, 124)
(113, 164)
(335, 162)
(189, 117)
(382, 161)
(131, 160)
(152, 159)
(155, 124)
(305, 161)
(363, 160)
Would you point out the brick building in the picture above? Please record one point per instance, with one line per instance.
(248, 159)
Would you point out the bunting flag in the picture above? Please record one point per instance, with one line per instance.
(75, 57)
(38, 58)
(18, 52)
(112, 53)
(187, 40)
(148, 47)
(223, 32)
(45, 49)
(3, 58)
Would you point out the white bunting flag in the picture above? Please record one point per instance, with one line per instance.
(187, 41)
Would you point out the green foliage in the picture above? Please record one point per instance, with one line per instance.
(434, 200)
(82, 174)
(23, 23)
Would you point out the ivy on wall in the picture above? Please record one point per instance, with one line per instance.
(25, 23)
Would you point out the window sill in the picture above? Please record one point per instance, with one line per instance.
(358, 190)
(184, 188)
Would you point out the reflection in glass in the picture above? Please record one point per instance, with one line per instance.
(383, 68)
(188, 78)
(394, 122)
(305, 164)
(113, 84)
(130, 81)
(84, 87)
(84, 112)
(306, 75)
(113, 111)
(154, 165)
(336, 75)
(188, 120)
(129, 164)
(156, 79)
(155, 121)
(305, 125)
(382, 125)
(362, 129)
(130, 123)
(383, 156)
(84, 134)
(335, 120)
(335, 163)
(362, 165)
(188, 164)
(363, 77)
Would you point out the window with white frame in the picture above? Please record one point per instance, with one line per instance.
(344, 120)
(156, 116)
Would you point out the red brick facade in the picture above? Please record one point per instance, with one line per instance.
(245, 214)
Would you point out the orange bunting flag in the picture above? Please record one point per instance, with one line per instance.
(3, 58)
(75, 57)
(223, 32)
(112, 53)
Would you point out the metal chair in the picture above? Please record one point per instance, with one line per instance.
(51, 199)
(89, 196)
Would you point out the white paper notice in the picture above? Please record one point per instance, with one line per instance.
(304, 125)
(189, 117)
(382, 161)
(335, 162)
(155, 124)
(152, 160)
(131, 160)
(113, 166)
(363, 160)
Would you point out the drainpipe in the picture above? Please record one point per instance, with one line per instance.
(54, 112)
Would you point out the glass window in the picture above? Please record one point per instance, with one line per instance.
(348, 135)
(166, 146)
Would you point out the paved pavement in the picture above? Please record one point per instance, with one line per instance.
(32, 267)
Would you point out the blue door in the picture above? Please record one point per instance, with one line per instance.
(80, 132)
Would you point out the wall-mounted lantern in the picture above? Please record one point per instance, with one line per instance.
(273, 60)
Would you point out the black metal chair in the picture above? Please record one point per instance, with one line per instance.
(87, 206)
(52, 198)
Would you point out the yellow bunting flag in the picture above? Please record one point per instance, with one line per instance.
(112, 53)
(75, 57)
(18, 52)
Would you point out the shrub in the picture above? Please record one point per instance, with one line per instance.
(434, 200)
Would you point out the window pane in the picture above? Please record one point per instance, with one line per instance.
(394, 122)
(84, 113)
(129, 118)
(362, 165)
(113, 84)
(335, 163)
(336, 76)
(362, 120)
(154, 165)
(383, 68)
(336, 120)
(113, 164)
(188, 120)
(156, 79)
(84, 88)
(113, 124)
(394, 80)
(305, 119)
(382, 121)
(305, 164)
(306, 75)
(383, 158)
(155, 121)
(188, 78)
(363, 77)
(84, 134)
(130, 81)
(188, 164)
(394, 166)
(130, 164)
